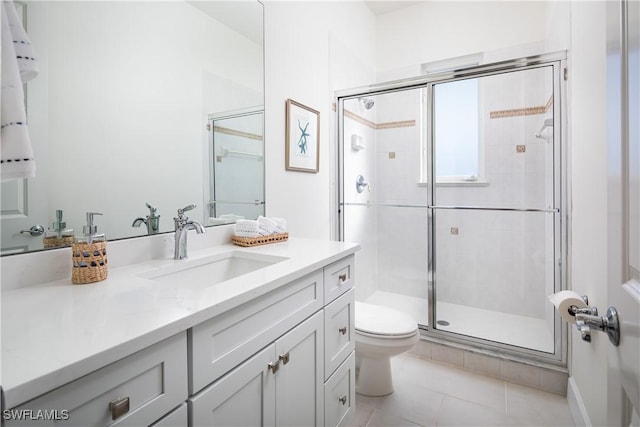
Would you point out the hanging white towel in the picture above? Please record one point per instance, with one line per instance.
(18, 66)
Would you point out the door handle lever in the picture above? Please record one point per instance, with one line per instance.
(36, 230)
(608, 323)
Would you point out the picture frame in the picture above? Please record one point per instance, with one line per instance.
(302, 138)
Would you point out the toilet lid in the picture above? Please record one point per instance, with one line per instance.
(378, 320)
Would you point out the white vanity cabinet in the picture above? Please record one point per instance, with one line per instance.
(296, 344)
(279, 352)
(135, 391)
(281, 385)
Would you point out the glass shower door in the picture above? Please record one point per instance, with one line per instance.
(237, 167)
(495, 208)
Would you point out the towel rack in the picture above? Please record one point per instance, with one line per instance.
(226, 152)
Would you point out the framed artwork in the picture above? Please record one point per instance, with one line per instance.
(302, 138)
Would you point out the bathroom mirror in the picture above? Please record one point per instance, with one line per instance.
(119, 115)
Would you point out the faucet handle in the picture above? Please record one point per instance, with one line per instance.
(152, 210)
(186, 208)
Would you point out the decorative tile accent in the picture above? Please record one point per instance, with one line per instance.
(389, 125)
(234, 132)
(522, 111)
(398, 124)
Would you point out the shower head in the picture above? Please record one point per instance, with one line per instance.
(367, 102)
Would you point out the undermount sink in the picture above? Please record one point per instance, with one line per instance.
(213, 269)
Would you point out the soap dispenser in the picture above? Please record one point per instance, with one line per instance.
(89, 254)
(58, 235)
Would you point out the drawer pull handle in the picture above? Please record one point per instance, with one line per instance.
(273, 367)
(284, 358)
(342, 278)
(119, 407)
(343, 400)
(343, 330)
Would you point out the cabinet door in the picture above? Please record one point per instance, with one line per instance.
(244, 397)
(299, 381)
(339, 331)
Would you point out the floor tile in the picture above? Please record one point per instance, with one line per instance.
(384, 419)
(409, 401)
(459, 413)
(428, 393)
(452, 381)
(527, 406)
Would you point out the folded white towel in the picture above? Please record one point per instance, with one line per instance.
(267, 225)
(281, 225)
(247, 234)
(247, 225)
(18, 67)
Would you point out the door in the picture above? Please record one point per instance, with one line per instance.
(496, 207)
(623, 74)
(300, 379)
(244, 397)
(24, 201)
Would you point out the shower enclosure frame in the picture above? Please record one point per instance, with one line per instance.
(557, 62)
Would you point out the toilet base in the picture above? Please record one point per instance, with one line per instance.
(374, 376)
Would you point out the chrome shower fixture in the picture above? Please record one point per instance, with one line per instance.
(367, 102)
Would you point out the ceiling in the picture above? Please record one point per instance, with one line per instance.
(380, 7)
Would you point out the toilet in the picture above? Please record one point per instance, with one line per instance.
(380, 332)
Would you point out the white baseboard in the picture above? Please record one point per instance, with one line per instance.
(576, 405)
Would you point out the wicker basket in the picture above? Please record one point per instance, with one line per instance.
(55, 242)
(89, 262)
(262, 240)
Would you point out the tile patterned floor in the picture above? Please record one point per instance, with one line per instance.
(428, 393)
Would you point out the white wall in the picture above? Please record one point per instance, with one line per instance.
(437, 30)
(311, 49)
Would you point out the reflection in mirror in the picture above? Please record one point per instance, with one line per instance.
(118, 114)
(237, 166)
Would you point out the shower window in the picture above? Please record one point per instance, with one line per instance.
(458, 141)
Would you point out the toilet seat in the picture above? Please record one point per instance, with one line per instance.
(382, 322)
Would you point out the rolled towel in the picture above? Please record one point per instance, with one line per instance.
(281, 225)
(266, 226)
(247, 228)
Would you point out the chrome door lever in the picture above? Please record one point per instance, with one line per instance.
(608, 323)
(36, 230)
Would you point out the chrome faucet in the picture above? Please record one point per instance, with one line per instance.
(184, 224)
(152, 221)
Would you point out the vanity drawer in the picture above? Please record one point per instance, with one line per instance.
(339, 331)
(339, 277)
(221, 343)
(141, 388)
(340, 394)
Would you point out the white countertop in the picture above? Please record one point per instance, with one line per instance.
(55, 332)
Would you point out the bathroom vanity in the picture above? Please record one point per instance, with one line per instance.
(160, 343)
